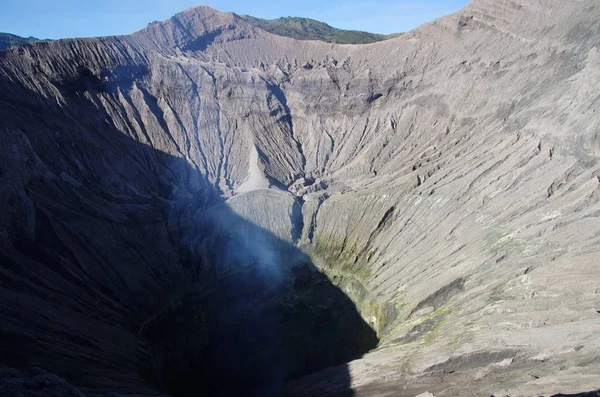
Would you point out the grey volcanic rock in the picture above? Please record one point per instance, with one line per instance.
(167, 193)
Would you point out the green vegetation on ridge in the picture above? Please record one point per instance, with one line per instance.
(8, 40)
(309, 29)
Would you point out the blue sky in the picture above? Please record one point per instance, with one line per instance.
(83, 18)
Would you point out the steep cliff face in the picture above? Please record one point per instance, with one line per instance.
(166, 194)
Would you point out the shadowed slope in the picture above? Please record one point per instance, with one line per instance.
(123, 269)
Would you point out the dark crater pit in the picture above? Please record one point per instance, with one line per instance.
(250, 332)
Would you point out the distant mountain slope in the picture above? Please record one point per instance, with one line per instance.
(8, 40)
(309, 29)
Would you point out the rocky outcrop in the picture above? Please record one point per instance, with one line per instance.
(439, 190)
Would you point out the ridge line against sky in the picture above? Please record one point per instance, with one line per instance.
(55, 19)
